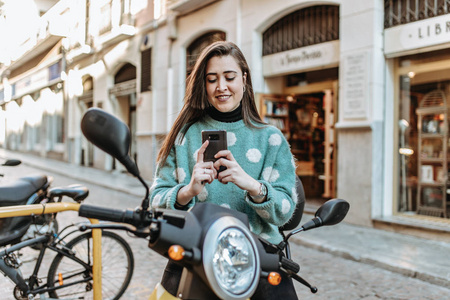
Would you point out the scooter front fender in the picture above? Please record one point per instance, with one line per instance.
(160, 293)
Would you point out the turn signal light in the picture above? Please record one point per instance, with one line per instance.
(176, 252)
(60, 279)
(274, 278)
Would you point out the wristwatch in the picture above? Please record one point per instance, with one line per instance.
(262, 193)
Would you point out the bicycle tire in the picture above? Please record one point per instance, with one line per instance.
(117, 268)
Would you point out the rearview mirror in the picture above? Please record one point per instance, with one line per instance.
(333, 211)
(110, 135)
(330, 213)
(12, 162)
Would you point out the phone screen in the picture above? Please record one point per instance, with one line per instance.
(217, 142)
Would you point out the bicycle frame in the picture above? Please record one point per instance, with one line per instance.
(49, 208)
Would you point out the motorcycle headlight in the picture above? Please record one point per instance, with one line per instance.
(230, 259)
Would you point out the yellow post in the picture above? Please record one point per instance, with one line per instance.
(97, 260)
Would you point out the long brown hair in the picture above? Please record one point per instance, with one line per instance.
(196, 99)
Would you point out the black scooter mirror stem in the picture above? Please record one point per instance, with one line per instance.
(330, 213)
(146, 201)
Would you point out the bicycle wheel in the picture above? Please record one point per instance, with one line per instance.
(117, 268)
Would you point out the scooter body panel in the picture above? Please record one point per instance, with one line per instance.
(160, 293)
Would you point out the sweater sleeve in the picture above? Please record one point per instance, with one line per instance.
(168, 181)
(278, 176)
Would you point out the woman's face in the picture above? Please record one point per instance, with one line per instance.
(224, 83)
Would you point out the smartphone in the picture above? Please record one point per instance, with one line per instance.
(217, 142)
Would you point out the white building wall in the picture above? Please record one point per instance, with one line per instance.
(360, 138)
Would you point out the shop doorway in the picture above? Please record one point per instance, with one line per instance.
(306, 116)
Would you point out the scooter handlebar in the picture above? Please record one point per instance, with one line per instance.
(289, 265)
(127, 216)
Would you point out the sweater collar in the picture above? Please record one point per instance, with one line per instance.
(227, 117)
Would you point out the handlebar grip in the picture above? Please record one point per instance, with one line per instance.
(101, 213)
(290, 265)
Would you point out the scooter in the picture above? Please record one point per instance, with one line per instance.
(26, 190)
(221, 257)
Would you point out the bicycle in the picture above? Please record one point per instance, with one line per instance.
(83, 266)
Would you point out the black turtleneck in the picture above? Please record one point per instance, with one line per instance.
(228, 117)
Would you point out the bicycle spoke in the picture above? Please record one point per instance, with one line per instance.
(117, 268)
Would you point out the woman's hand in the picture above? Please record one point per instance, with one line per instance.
(234, 173)
(203, 172)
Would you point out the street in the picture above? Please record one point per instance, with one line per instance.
(335, 277)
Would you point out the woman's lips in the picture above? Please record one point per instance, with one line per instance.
(223, 97)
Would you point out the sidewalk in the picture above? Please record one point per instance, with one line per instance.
(424, 259)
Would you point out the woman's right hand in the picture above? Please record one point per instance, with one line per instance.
(203, 172)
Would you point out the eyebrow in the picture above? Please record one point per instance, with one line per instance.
(226, 72)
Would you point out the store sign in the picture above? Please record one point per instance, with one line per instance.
(355, 76)
(419, 34)
(301, 59)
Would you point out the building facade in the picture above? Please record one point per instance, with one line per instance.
(359, 88)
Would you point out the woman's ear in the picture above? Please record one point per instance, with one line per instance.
(245, 78)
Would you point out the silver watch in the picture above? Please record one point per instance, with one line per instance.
(262, 193)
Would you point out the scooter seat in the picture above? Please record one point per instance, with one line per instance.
(296, 217)
(18, 191)
(75, 191)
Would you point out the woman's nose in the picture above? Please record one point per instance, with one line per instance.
(221, 85)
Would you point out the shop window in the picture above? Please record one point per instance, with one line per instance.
(424, 139)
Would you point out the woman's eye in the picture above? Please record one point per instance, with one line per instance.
(230, 78)
(211, 80)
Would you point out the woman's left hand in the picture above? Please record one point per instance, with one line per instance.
(234, 173)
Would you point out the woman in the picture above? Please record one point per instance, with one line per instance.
(259, 170)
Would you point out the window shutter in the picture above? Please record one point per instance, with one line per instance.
(146, 70)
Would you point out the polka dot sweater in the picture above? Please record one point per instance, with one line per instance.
(262, 152)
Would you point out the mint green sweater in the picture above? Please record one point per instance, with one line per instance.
(263, 153)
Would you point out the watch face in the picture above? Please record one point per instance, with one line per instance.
(263, 190)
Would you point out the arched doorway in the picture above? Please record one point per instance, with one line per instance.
(196, 47)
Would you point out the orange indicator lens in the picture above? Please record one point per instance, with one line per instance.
(176, 252)
(60, 279)
(274, 278)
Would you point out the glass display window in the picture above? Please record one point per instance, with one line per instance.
(424, 135)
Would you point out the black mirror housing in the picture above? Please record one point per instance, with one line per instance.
(110, 135)
(12, 162)
(333, 211)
